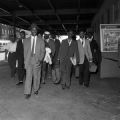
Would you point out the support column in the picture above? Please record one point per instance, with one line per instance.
(14, 25)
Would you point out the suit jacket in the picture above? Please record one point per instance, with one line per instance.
(84, 51)
(57, 46)
(20, 50)
(39, 52)
(20, 53)
(67, 51)
(96, 54)
(52, 46)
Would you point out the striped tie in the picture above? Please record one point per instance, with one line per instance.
(32, 51)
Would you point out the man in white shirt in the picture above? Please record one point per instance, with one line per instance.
(34, 50)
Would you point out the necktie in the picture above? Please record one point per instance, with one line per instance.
(82, 42)
(33, 47)
(69, 42)
(21, 45)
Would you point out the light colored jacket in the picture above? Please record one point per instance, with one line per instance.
(39, 52)
(84, 51)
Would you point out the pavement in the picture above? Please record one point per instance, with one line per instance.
(101, 101)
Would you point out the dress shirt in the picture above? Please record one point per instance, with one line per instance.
(83, 42)
(35, 39)
(22, 40)
(69, 41)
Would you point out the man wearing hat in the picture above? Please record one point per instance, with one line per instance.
(46, 68)
(34, 50)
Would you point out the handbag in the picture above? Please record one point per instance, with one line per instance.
(92, 67)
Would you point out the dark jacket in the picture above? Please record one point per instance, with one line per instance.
(20, 53)
(57, 46)
(95, 52)
(67, 51)
(52, 46)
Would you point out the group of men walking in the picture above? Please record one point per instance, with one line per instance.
(36, 54)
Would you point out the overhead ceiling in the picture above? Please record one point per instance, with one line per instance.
(53, 15)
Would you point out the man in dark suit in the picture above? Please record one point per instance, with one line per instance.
(20, 58)
(68, 50)
(34, 50)
(96, 53)
(55, 61)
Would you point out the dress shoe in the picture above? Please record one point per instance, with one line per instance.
(27, 96)
(36, 92)
(67, 86)
(57, 82)
(19, 83)
(63, 87)
(86, 85)
(43, 81)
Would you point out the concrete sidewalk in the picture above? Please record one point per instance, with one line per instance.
(99, 102)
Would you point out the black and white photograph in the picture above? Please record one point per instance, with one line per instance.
(59, 59)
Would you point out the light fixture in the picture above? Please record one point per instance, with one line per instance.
(20, 6)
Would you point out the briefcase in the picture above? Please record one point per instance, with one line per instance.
(93, 67)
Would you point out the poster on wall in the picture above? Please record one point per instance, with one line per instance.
(109, 36)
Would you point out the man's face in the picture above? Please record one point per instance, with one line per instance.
(22, 35)
(34, 31)
(46, 37)
(70, 34)
(81, 34)
(18, 35)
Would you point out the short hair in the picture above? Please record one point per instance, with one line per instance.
(22, 32)
(70, 31)
(89, 34)
(34, 25)
(53, 35)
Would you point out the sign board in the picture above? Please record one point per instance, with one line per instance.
(109, 39)
(109, 36)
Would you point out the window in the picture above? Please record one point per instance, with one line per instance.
(2, 31)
